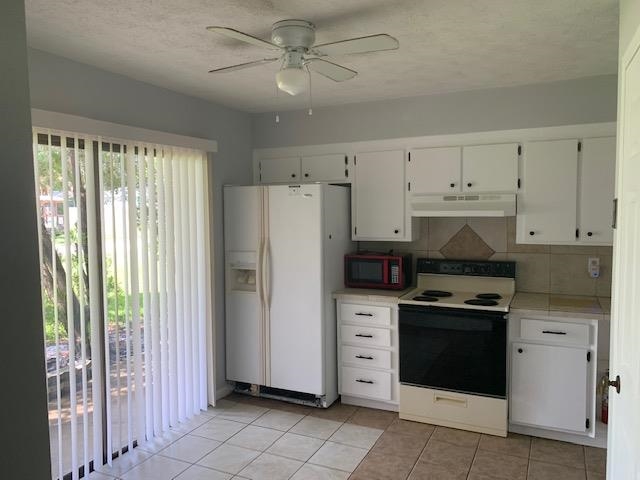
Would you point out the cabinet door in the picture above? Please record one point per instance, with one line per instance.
(434, 170)
(547, 201)
(597, 184)
(325, 168)
(280, 170)
(490, 168)
(549, 386)
(379, 198)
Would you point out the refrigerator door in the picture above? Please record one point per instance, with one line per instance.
(243, 241)
(294, 284)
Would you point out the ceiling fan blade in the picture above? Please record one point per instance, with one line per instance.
(243, 37)
(371, 43)
(240, 66)
(335, 72)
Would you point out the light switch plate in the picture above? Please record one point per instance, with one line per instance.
(593, 267)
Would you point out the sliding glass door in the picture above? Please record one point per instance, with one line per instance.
(124, 251)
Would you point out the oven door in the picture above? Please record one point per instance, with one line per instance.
(453, 349)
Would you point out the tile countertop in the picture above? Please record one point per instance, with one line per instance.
(561, 303)
(370, 294)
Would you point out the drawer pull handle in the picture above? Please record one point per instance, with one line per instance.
(451, 401)
(359, 380)
(554, 332)
(362, 314)
(364, 335)
(366, 357)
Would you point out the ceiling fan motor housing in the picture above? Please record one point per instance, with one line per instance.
(293, 34)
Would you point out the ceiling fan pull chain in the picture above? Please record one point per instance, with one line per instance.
(277, 116)
(310, 95)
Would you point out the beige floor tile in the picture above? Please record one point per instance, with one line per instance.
(337, 412)
(219, 429)
(278, 420)
(316, 427)
(163, 441)
(270, 467)
(513, 444)
(551, 471)
(383, 467)
(243, 413)
(407, 427)
(156, 468)
(561, 453)
(316, 472)
(356, 435)
(190, 448)
(447, 454)
(399, 445)
(222, 405)
(461, 438)
(229, 458)
(196, 472)
(596, 459)
(297, 447)
(369, 417)
(430, 471)
(255, 438)
(506, 467)
(124, 463)
(595, 476)
(338, 456)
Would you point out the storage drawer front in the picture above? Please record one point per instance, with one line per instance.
(556, 332)
(366, 383)
(373, 314)
(366, 335)
(366, 357)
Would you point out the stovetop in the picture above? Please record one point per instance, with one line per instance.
(459, 284)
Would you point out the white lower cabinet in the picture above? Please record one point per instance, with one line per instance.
(552, 365)
(368, 353)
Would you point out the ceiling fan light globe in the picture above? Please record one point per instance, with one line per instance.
(292, 80)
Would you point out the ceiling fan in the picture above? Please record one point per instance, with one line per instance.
(294, 41)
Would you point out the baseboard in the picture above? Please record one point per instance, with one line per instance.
(365, 402)
(223, 390)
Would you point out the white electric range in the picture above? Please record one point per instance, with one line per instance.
(453, 344)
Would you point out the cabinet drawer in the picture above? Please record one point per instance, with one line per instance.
(374, 314)
(366, 383)
(556, 332)
(380, 337)
(366, 357)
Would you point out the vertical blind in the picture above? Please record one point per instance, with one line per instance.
(124, 249)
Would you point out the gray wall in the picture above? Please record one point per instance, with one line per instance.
(23, 402)
(586, 100)
(62, 85)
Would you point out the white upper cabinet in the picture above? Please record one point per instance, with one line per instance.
(490, 168)
(597, 190)
(279, 170)
(325, 168)
(547, 201)
(434, 170)
(378, 197)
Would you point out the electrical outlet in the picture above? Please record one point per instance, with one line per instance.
(593, 267)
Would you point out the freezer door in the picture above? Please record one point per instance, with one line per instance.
(244, 310)
(294, 288)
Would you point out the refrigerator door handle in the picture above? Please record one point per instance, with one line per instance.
(267, 274)
(260, 271)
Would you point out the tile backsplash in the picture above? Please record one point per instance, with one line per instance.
(557, 269)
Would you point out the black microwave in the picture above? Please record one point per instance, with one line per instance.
(377, 270)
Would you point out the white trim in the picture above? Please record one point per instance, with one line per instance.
(222, 391)
(88, 126)
(457, 139)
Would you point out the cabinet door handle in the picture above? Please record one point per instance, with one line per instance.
(360, 380)
(306, 175)
(554, 332)
(452, 185)
(293, 175)
(397, 230)
(364, 335)
(532, 233)
(365, 357)
(520, 350)
(363, 314)
(589, 234)
(469, 184)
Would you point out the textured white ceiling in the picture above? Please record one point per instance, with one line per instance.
(445, 45)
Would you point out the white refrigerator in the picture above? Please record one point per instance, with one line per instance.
(284, 250)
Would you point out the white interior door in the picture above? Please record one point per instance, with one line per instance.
(434, 170)
(294, 288)
(596, 189)
(624, 422)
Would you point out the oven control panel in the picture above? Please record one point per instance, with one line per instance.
(469, 268)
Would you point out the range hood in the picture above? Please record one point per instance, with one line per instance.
(464, 205)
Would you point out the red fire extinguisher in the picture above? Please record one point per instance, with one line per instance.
(604, 391)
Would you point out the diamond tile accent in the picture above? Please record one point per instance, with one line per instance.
(467, 245)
